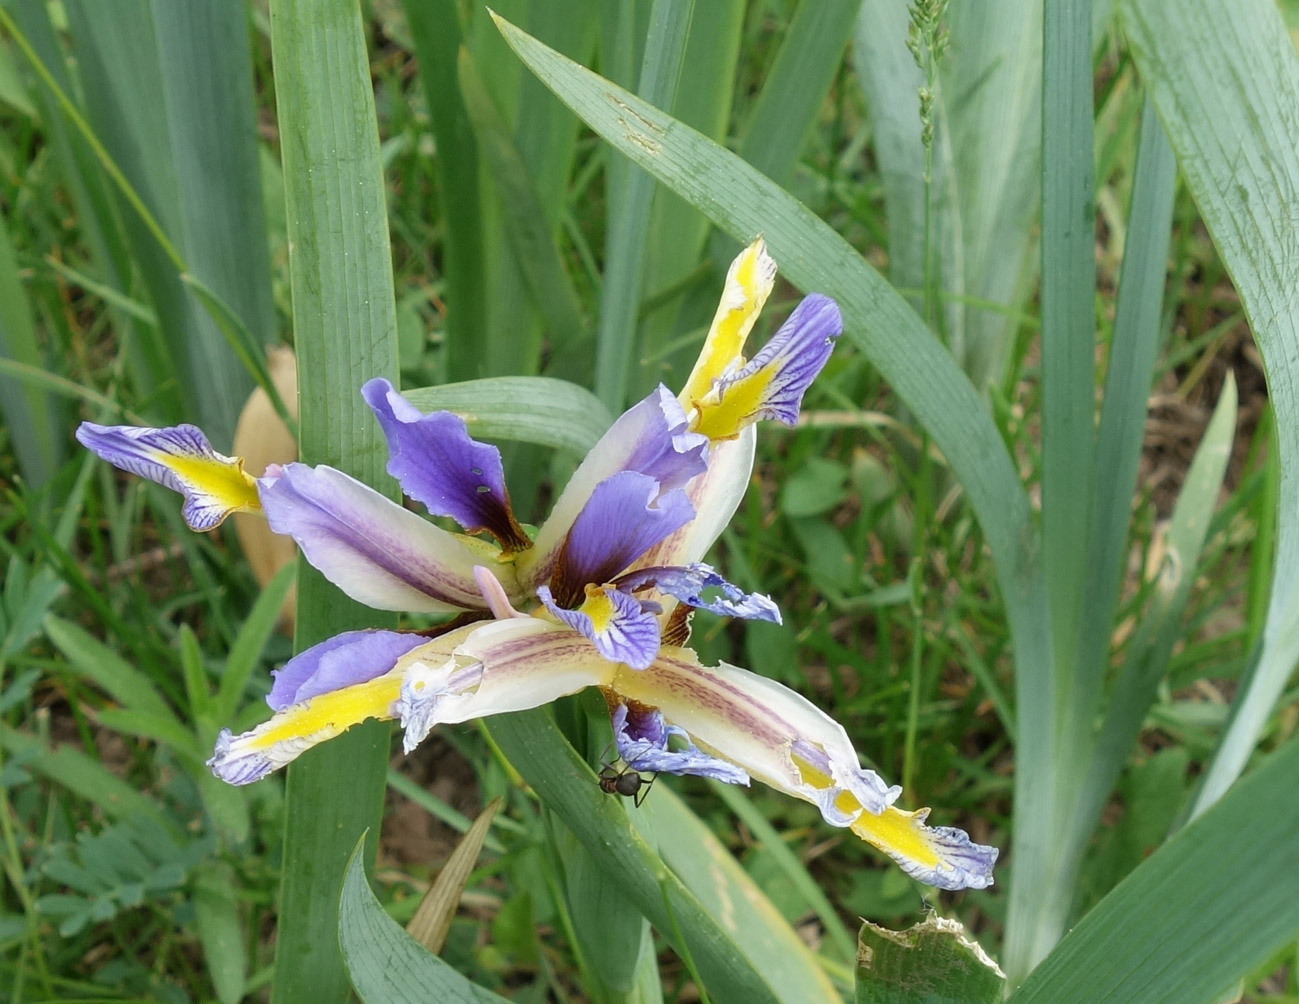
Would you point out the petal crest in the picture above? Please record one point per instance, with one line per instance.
(437, 463)
(371, 548)
(180, 458)
(621, 627)
(690, 584)
(641, 737)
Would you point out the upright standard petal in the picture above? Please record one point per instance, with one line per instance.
(651, 438)
(371, 548)
(772, 385)
(715, 495)
(182, 459)
(748, 284)
(625, 516)
(621, 627)
(643, 740)
(509, 665)
(787, 742)
(438, 464)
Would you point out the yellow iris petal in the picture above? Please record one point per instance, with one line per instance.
(748, 284)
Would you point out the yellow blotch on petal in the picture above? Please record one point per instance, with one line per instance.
(748, 284)
(599, 608)
(724, 415)
(222, 480)
(899, 834)
(327, 715)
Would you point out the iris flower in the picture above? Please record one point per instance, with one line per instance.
(601, 597)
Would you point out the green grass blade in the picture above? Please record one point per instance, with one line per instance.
(991, 85)
(207, 81)
(345, 328)
(1134, 347)
(569, 788)
(435, 29)
(743, 202)
(248, 644)
(538, 410)
(1068, 328)
(387, 965)
(1162, 621)
(1068, 393)
(91, 659)
(674, 301)
(695, 854)
(794, 91)
(629, 211)
(80, 774)
(524, 219)
(1202, 911)
(163, 170)
(1225, 79)
(767, 837)
(31, 414)
(890, 80)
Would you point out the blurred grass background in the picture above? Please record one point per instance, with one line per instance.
(522, 245)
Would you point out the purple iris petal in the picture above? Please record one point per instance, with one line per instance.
(642, 737)
(371, 548)
(688, 584)
(346, 659)
(963, 863)
(142, 451)
(653, 438)
(628, 631)
(666, 449)
(437, 463)
(625, 516)
(235, 768)
(795, 355)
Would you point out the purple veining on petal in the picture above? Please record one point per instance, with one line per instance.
(629, 633)
(625, 516)
(237, 769)
(964, 864)
(642, 738)
(438, 464)
(346, 659)
(135, 449)
(371, 548)
(795, 355)
(689, 583)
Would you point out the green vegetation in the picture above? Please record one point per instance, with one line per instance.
(1034, 538)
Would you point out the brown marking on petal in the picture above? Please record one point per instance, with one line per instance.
(676, 631)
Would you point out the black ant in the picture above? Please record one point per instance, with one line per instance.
(627, 782)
